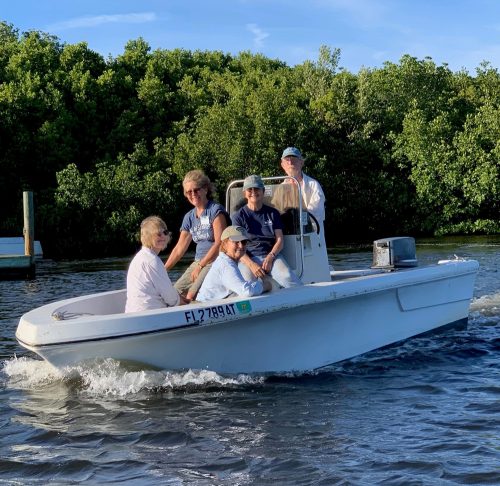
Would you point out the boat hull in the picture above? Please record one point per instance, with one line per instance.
(295, 329)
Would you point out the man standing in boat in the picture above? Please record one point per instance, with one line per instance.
(313, 197)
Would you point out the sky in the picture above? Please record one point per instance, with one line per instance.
(459, 33)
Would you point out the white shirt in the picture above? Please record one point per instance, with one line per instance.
(314, 197)
(223, 278)
(148, 284)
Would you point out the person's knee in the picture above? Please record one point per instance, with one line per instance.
(281, 267)
(284, 275)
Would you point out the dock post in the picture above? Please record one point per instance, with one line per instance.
(29, 229)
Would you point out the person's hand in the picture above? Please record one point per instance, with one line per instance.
(257, 270)
(195, 273)
(183, 300)
(267, 264)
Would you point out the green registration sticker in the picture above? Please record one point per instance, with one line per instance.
(244, 307)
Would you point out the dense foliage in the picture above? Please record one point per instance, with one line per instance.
(407, 148)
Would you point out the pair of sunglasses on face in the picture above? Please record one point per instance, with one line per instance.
(194, 191)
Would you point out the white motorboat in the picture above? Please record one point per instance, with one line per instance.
(336, 315)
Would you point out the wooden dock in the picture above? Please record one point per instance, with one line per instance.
(17, 265)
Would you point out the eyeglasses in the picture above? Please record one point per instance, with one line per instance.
(165, 232)
(291, 159)
(253, 189)
(191, 192)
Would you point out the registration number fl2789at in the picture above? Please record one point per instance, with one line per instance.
(215, 312)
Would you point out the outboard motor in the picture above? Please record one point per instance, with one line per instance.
(397, 252)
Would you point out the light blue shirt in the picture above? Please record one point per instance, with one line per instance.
(224, 278)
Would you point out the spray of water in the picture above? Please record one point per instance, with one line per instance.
(108, 377)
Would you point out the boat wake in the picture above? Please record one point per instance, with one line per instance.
(487, 306)
(109, 377)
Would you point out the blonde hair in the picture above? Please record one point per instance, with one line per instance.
(149, 227)
(201, 179)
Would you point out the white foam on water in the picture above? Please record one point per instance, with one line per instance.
(26, 373)
(487, 305)
(109, 377)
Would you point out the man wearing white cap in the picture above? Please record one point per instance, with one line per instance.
(312, 193)
(224, 277)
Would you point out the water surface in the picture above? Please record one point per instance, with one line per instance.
(426, 411)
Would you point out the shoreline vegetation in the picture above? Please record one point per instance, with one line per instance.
(409, 148)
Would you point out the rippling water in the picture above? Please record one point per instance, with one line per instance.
(424, 412)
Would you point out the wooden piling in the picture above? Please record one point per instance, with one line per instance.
(29, 224)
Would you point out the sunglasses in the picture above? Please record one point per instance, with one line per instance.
(165, 232)
(291, 159)
(191, 192)
(253, 189)
(243, 242)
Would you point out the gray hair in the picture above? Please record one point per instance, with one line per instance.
(149, 227)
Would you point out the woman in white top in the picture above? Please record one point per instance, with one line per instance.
(148, 284)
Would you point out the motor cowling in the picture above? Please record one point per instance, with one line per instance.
(396, 252)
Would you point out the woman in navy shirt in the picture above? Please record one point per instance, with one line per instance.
(265, 230)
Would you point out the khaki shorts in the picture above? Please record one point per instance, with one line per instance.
(184, 284)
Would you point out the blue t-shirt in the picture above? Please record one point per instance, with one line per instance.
(260, 226)
(202, 229)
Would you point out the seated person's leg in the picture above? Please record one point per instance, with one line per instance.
(283, 274)
(184, 281)
(195, 286)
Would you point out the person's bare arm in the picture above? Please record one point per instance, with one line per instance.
(255, 268)
(267, 264)
(179, 249)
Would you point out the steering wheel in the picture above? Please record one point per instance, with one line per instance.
(315, 221)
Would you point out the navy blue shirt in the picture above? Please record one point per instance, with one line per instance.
(260, 226)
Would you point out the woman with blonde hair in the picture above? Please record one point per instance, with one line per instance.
(204, 225)
(148, 284)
